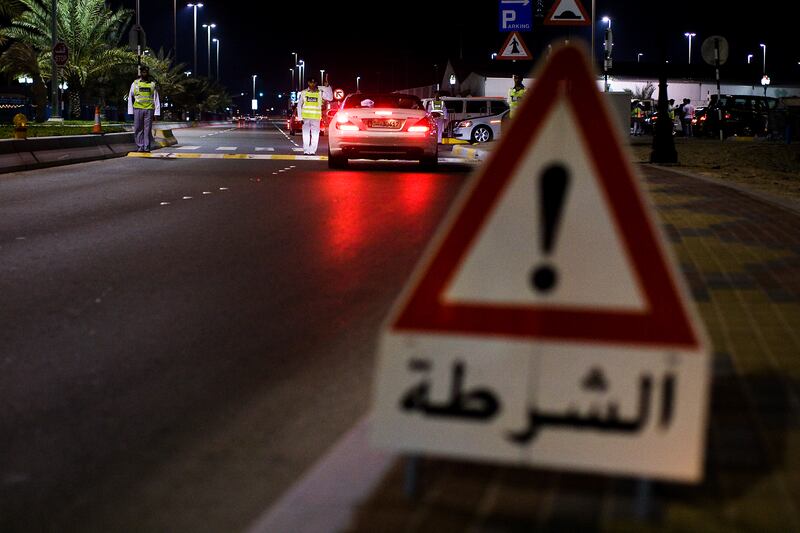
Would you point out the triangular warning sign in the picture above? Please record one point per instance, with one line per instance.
(553, 239)
(567, 13)
(514, 48)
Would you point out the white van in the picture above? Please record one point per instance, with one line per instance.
(470, 107)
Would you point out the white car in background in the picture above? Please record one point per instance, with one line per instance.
(382, 126)
(481, 129)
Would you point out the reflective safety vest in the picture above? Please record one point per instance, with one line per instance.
(312, 105)
(437, 106)
(514, 97)
(144, 94)
(637, 112)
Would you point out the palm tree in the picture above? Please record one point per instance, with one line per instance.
(9, 10)
(90, 29)
(20, 58)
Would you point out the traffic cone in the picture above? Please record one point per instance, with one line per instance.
(97, 128)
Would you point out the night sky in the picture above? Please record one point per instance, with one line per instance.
(393, 45)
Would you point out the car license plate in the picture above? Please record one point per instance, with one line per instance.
(385, 123)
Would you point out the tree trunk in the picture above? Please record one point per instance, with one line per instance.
(39, 92)
(75, 104)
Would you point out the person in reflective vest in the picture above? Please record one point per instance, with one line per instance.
(309, 110)
(438, 111)
(143, 104)
(515, 95)
(637, 117)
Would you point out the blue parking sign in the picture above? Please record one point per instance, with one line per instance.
(515, 15)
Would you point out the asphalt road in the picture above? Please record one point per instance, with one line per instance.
(181, 338)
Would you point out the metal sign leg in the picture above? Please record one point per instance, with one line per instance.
(643, 505)
(411, 477)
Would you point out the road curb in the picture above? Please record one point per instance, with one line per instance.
(324, 499)
(465, 152)
(41, 152)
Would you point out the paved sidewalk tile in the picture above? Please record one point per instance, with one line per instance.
(741, 257)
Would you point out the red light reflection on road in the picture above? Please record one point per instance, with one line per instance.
(345, 195)
(416, 192)
(364, 208)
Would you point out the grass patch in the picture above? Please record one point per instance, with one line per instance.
(7, 132)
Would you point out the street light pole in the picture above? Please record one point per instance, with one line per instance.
(292, 86)
(175, 31)
(295, 87)
(358, 82)
(194, 33)
(217, 41)
(764, 46)
(55, 114)
(208, 33)
(321, 76)
(639, 57)
(302, 73)
(690, 35)
(254, 85)
(608, 45)
(749, 58)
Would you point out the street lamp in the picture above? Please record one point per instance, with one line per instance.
(194, 7)
(217, 41)
(749, 58)
(321, 76)
(690, 35)
(764, 46)
(208, 33)
(607, 20)
(187, 73)
(639, 57)
(358, 82)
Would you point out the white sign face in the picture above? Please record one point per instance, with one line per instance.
(546, 324)
(514, 48)
(254, 104)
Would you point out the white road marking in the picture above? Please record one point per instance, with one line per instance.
(187, 198)
(187, 147)
(227, 148)
(297, 149)
(206, 192)
(223, 188)
(263, 149)
(164, 203)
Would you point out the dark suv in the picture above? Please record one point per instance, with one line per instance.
(743, 115)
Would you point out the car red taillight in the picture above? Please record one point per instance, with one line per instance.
(421, 126)
(347, 126)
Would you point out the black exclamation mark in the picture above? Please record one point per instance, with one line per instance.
(553, 188)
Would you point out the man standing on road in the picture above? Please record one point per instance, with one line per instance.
(688, 114)
(143, 104)
(309, 109)
(438, 111)
(515, 95)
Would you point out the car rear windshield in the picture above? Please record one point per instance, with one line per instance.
(391, 101)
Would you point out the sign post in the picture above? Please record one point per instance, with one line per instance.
(515, 15)
(546, 324)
